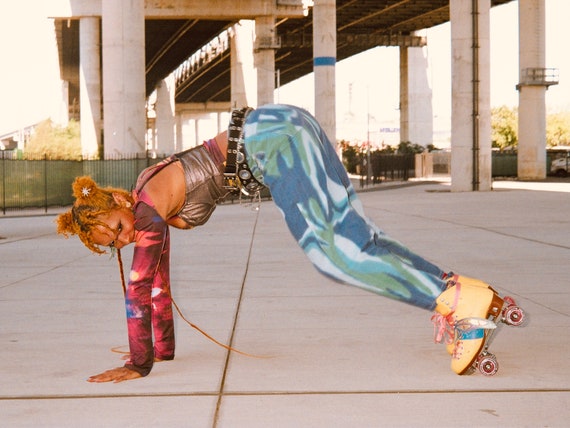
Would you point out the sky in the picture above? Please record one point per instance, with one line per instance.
(29, 75)
(30, 89)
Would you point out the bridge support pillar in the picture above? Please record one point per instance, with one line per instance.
(416, 110)
(123, 77)
(90, 86)
(265, 45)
(470, 93)
(324, 63)
(165, 122)
(243, 78)
(532, 108)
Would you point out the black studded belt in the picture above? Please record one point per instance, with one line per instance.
(237, 175)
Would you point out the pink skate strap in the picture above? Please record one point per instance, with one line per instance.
(444, 326)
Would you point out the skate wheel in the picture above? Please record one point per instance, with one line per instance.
(487, 364)
(514, 316)
(509, 300)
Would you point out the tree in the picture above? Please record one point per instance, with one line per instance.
(504, 127)
(54, 142)
(407, 147)
(558, 129)
(350, 157)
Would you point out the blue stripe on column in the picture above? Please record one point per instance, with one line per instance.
(324, 60)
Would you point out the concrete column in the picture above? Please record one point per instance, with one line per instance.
(324, 62)
(222, 124)
(165, 120)
(416, 110)
(90, 86)
(64, 104)
(532, 107)
(123, 77)
(196, 131)
(470, 94)
(265, 44)
(404, 95)
(243, 76)
(179, 118)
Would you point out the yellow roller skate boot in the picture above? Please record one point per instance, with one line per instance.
(470, 310)
(446, 332)
(465, 280)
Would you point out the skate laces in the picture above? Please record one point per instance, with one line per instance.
(444, 325)
(443, 328)
(470, 329)
(457, 350)
(446, 329)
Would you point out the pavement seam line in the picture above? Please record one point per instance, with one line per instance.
(234, 326)
(286, 393)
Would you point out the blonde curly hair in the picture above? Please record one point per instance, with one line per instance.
(91, 201)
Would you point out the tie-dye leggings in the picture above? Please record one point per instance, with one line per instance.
(289, 152)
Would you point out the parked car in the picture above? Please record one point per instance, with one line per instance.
(560, 165)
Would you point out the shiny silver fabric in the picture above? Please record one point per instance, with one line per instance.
(204, 185)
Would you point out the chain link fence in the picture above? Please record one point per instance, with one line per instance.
(42, 183)
(384, 167)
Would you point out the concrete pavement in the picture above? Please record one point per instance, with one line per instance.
(330, 355)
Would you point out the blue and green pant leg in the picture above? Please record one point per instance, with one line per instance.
(289, 152)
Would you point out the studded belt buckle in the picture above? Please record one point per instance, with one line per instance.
(238, 176)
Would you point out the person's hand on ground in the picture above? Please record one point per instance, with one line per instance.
(117, 375)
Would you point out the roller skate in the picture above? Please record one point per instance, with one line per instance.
(453, 278)
(469, 314)
(446, 329)
(511, 315)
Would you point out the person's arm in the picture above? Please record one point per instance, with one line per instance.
(151, 242)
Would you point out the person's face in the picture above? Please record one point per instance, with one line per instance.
(120, 231)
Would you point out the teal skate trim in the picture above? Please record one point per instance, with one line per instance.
(472, 323)
(289, 152)
(478, 333)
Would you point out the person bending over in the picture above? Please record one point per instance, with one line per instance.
(283, 148)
